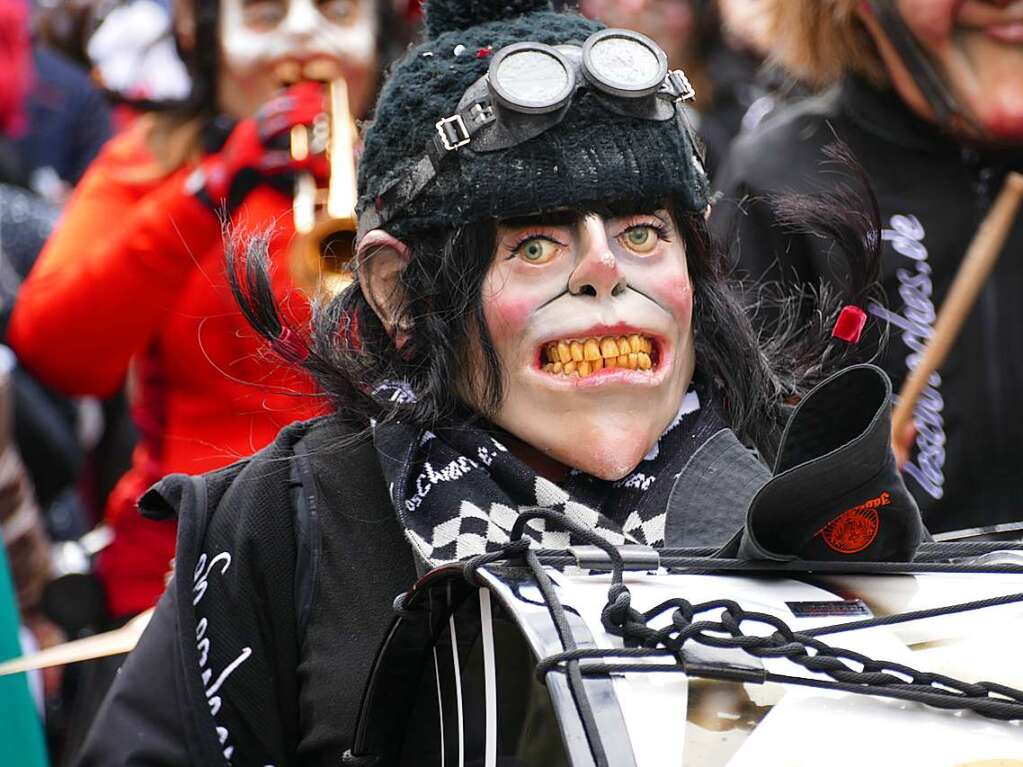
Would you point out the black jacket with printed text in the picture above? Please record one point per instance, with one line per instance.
(933, 194)
(286, 570)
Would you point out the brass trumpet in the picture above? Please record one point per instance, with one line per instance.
(324, 219)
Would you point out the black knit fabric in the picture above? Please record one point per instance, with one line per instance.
(594, 155)
(447, 15)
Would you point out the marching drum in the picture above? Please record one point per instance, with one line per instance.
(456, 682)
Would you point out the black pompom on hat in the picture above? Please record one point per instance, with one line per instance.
(447, 16)
(592, 156)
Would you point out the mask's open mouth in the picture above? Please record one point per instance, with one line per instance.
(320, 69)
(582, 357)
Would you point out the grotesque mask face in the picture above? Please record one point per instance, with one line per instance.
(269, 43)
(591, 318)
(977, 46)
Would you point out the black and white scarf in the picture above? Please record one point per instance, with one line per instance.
(458, 491)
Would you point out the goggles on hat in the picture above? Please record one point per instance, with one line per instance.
(529, 88)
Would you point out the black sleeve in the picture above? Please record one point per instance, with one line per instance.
(140, 721)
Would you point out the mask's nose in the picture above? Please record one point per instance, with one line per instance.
(303, 19)
(597, 273)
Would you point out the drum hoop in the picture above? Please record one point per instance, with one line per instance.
(412, 637)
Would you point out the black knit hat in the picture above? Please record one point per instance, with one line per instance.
(836, 492)
(593, 155)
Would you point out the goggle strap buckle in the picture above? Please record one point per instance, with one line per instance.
(453, 132)
(679, 86)
(457, 130)
(481, 113)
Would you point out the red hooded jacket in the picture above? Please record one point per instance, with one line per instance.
(134, 278)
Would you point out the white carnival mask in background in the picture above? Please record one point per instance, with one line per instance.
(303, 33)
(133, 53)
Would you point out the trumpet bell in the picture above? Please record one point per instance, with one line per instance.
(325, 221)
(322, 260)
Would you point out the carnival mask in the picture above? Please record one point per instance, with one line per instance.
(591, 320)
(977, 47)
(269, 43)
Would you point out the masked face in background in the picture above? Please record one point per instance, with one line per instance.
(591, 319)
(977, 47)
(268, 43)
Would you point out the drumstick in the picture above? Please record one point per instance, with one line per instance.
(980, 258)
(115, 642)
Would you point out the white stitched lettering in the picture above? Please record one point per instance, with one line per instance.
(916, 323)
(200, 581)
(429, 477)
(242, 657)
(203, 645)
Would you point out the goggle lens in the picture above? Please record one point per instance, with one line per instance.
(625, 64)
(534, 79)
(531, 78)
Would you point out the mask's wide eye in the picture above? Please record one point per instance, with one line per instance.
(537, 250)
(263, 15)
(640, 239)
(338, 11)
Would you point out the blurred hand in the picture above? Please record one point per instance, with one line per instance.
(902, 444)
(258, 148)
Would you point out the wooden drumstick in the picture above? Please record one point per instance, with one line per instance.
(115, 642)
(977, 264)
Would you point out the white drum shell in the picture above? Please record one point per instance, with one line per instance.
(796, 726)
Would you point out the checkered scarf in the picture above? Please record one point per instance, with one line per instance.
(458, 491)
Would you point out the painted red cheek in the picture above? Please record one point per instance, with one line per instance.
(676, 293)
(509, 314)
(930, 20)
(518, 310)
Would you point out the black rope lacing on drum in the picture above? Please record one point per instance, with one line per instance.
(720, 623)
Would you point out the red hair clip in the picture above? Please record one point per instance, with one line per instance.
(849, 325)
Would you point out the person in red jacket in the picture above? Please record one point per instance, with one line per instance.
(132, 285)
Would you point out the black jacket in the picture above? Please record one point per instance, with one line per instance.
(286, 570)
(933, 193)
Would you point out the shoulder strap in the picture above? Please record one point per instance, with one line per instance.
(234, 578)
(352, 564)
(306, 509)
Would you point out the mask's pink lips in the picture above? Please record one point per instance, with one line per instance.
(1011, 32)
(607, 378)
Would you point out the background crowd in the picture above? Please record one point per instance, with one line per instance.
(125, 141)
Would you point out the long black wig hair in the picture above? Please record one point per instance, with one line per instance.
(759, 353)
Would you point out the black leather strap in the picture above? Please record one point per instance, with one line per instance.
(488, 128)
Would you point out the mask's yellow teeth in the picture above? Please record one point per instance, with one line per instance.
(580, 357)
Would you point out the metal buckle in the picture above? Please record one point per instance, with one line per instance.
(482, 113)
(453, 133)
(680, 85)
(634, 557)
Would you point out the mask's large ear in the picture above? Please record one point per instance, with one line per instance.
(381, 259)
